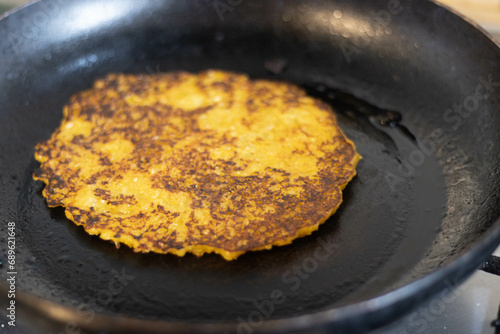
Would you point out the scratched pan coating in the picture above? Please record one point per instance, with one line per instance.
(422, 210)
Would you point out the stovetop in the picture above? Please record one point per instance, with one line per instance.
(468, 309)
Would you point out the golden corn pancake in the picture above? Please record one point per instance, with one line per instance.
(209, 162)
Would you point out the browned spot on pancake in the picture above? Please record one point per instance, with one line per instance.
(212, 162)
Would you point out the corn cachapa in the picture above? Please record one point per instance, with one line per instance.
(209, 162)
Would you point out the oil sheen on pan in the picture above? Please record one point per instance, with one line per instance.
(208, 162)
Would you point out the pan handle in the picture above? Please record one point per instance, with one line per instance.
(492, 265)
(496, 323)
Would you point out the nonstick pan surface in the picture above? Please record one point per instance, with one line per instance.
(416, 87)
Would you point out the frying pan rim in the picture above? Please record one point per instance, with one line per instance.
(468, 20)
(470, 259)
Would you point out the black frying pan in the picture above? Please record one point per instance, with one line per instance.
(414, 85)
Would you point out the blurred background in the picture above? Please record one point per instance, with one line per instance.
(5, 5)
(484, 12)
